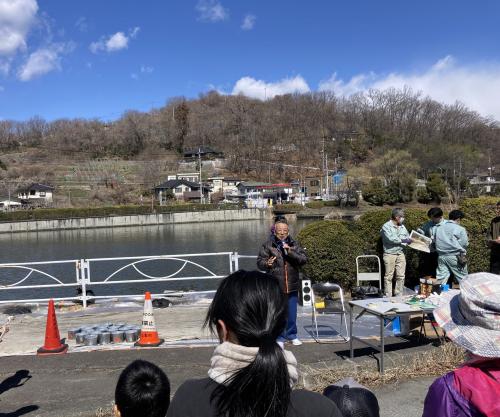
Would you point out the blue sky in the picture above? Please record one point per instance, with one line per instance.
(96, 59)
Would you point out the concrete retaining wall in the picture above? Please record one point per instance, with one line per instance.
(134, 220)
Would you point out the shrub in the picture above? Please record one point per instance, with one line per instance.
(287, 208)
(67, 213)
(316, 204)
(478, 215)
(331, 248)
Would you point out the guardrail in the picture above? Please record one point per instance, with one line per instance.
(85, 274)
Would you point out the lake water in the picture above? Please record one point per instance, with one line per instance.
(244, 237)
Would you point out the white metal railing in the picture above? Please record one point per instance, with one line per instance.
(94, 272)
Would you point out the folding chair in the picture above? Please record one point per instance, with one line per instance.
(326, 289)
(369, 276)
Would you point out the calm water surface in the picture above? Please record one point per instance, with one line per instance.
(243, 237)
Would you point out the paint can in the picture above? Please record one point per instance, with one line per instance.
(72, 333)
(117, 336)
(104, 338)
(80, 338)
(91, 339)
(130, 335)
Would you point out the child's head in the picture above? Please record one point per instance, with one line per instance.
(142, 390)
(354, 400)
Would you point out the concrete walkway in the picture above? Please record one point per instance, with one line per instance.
(78, 384)
(82, 381)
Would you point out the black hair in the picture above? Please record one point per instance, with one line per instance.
(280, 219)
(434, 212)
(253, 308)
(353, 402)
(143, 390)
(456, 214)
(498, 203)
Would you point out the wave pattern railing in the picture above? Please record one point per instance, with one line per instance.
(85, 274)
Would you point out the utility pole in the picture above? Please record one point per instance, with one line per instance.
(201, 184)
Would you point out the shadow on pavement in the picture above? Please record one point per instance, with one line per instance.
(15, 381)
(20, 411)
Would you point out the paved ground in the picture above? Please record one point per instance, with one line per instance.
(81, 382)
(78, 384)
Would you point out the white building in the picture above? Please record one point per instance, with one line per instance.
(11, 203)
(37, 193)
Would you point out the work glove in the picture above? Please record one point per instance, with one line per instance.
(407, 241)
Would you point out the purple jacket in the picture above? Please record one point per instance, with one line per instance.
(470, 391)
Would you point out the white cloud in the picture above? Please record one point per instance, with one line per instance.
(146, 70)
(248, 22)
(16, 19)
(262, 90)
(477, 86)
(43, 60)
(115, 42)
(81, 24)
(5, 66)
(134, 32)
(211, 11)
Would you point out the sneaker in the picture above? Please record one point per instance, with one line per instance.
(281, 344)
(296, 342)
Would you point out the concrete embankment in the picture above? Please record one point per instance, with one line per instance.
(134, 220)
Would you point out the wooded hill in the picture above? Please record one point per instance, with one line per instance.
(287, 130)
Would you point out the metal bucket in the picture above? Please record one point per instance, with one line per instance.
(131, 335)
(91, 339)
(72, 333)
(104, 338)
(117, 336)
(80, 338)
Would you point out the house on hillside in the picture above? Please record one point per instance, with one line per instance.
(188, 176)
(224, 185)
(204, 152)
(485, 182)
(37, 194)
(180, 190)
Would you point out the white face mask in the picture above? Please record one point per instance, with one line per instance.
(401, 220)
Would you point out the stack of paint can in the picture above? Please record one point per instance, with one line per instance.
(104, 334)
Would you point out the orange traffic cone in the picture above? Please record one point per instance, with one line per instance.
(149, 335)
(53, 343)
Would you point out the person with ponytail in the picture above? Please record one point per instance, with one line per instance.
(250, 375)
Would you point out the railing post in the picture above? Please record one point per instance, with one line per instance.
(83, 280)
(231, 260)
(236, 261)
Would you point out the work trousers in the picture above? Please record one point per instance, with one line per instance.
(290, 332)
(394, 263)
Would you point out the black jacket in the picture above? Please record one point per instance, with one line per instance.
(286, 266)
(192, 399)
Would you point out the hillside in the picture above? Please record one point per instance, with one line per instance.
(277, 139)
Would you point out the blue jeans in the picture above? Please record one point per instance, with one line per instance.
(290, 331)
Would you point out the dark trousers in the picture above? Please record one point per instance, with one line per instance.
(427, 264)
(495, 262)
(290, 331)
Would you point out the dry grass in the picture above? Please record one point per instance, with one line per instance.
(104, 412)
(435, 362)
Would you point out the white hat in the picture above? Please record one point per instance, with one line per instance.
(471, 318)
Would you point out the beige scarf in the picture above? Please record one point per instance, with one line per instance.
(228, 358)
